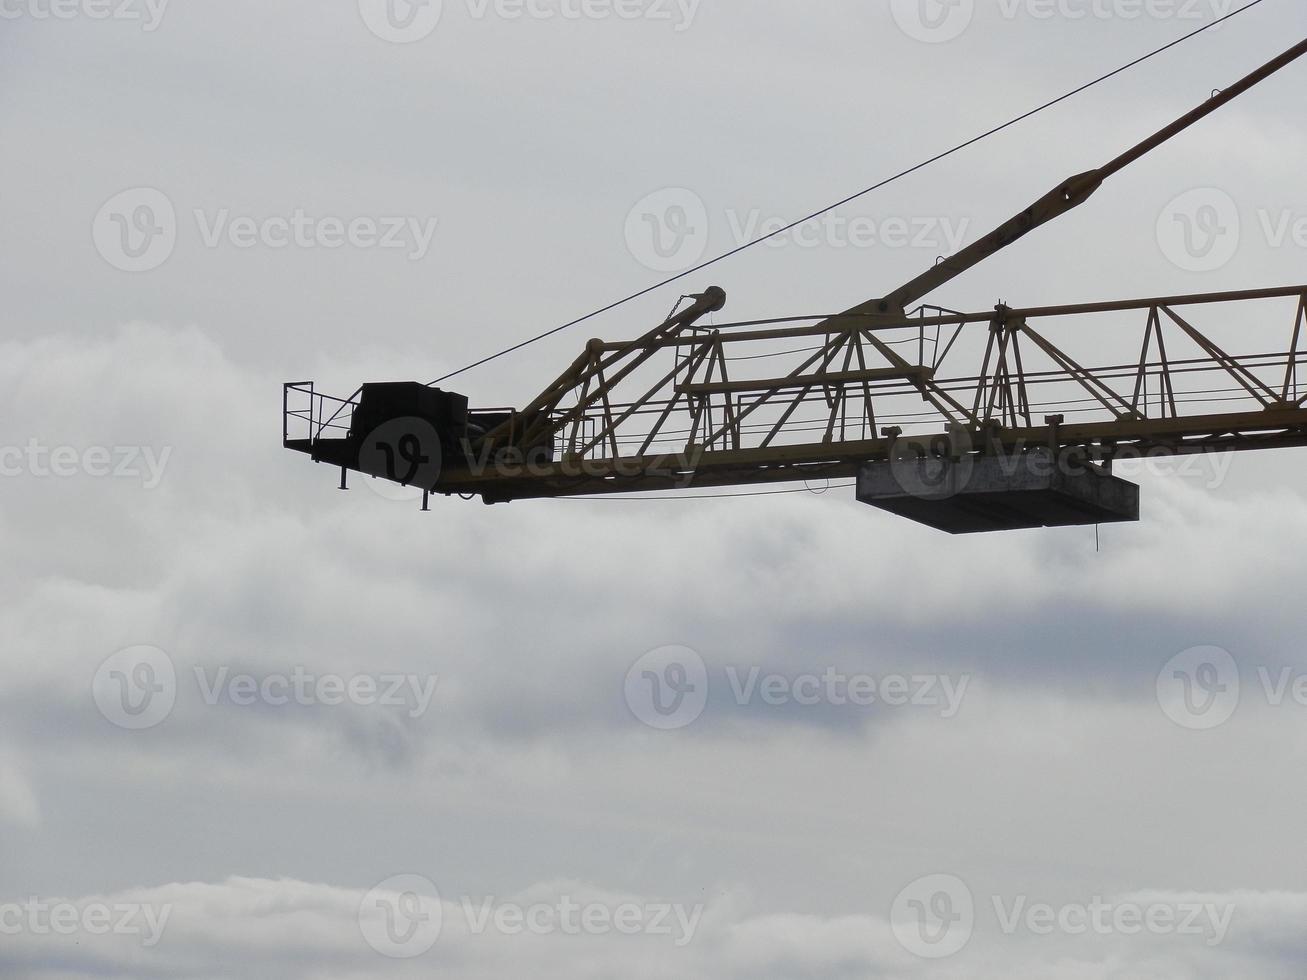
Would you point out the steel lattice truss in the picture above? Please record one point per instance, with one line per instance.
(738, 405)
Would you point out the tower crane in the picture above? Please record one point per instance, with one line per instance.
(995, 420)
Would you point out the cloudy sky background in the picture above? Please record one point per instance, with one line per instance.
(264, 828)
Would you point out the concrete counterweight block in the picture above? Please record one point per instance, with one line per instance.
(974, 493)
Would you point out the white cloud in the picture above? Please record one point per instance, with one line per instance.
(18, 801)
(313, 931)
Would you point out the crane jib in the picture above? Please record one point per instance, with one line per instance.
(965, 422)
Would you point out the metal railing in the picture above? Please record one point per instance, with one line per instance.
(310, 412)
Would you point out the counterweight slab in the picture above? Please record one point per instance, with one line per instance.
(977, 493)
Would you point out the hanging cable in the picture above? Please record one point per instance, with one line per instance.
(852, 197)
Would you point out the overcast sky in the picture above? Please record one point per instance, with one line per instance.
(251, 726)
